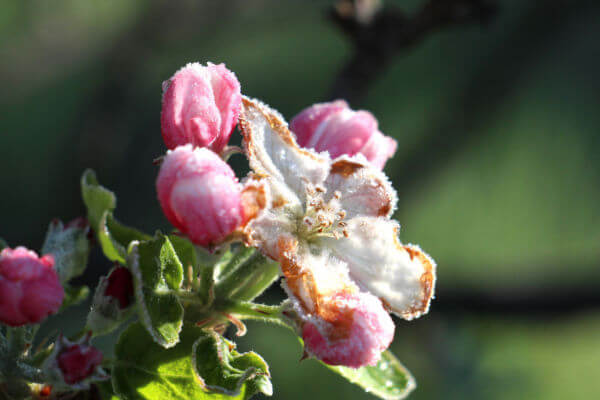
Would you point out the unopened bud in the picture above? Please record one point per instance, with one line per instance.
(200, 195)
(73, 365)
(337, 129)
(30, 289)
(356, 337)
(200, 106)
(112, 301)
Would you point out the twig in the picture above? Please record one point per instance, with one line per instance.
(390, 32)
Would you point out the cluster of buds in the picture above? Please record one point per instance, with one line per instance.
(198, 191)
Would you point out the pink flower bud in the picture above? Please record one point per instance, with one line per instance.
(337, 129)
(78, 362)
(120, 286)
(361, 331)
(200, 194)
(30, 289)
(200, 106)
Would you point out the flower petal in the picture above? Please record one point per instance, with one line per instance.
(313, 276)
(364, 190)
(402, 276)
(272, 150)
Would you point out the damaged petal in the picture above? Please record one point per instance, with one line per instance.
(403, 277)
(363, 191)
(272, 150)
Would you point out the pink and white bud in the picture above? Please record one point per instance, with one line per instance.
(339, 130)
(200, 106)
(78, 362)
(355, 337)
(30, 289)
(200, 194)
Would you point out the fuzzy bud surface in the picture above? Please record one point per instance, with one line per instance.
(361, 331)
(200, 194)
(336, 128)
(200, 106)
(30, 289)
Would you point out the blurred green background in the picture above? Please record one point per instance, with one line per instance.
(503, 119)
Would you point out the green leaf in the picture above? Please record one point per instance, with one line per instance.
(388, 380)
(157, 272)
(145, 370)
(106, 390)
(221, 369)
(70, 248)
(245, 275)
(97, 198)
(114, 237)
(3, 244)
(74, 295)
(186, 252)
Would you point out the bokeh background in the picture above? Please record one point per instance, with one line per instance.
(497, 168)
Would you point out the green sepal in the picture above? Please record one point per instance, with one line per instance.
(145, 370)
(388, 380)
(97, 198)
(69, 247)
(245, 275)
(157, 274)
(114, 237)
(186, 251)
(106, 313)
(221, 369)
(74, 295)
(3, 244)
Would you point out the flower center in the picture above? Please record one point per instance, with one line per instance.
(323, 218)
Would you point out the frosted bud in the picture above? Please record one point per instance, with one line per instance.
(30, 289)
(337, 129)
(200, 106)
(354, 336)
(200, 195)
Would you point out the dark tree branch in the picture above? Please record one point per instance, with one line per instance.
(391, 32)
(533, 302)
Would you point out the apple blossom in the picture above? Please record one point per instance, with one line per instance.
(329, 225)
(200, 106)
(337, 129)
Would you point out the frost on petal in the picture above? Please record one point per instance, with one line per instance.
(272, 151)
(312, 276)
(363, 190)
(403, 277)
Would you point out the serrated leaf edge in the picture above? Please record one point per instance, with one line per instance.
(133, 261)
(248, 373)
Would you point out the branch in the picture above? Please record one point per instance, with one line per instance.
(389, 32)
(531, 303)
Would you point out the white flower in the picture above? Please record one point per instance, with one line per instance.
(329, 224)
